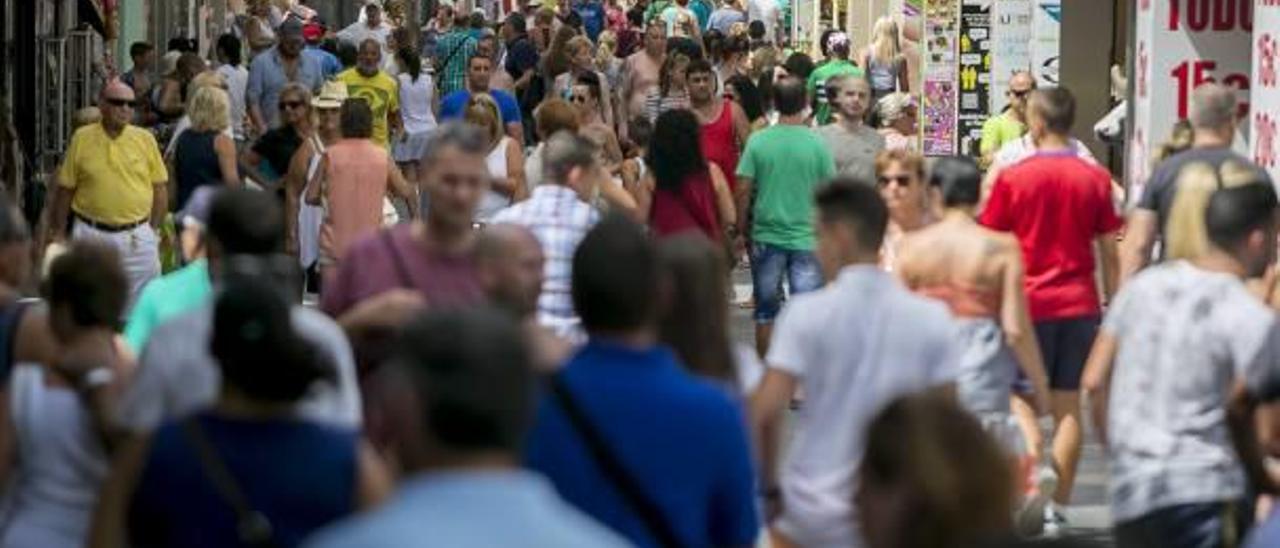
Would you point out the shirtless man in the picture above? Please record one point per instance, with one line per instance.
(585, 95)
(641, 70)
(725, 128)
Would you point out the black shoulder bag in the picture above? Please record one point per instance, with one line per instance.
(252, 527)
(613, 470)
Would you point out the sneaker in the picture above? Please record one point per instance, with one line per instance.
(1055, 524)
(1029, 518)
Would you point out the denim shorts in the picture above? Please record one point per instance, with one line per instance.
(770, 264)
(1196, 525)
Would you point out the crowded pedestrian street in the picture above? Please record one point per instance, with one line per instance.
(651, 273)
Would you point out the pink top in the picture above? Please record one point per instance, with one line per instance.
(356, 183)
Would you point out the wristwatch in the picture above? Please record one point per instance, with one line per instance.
(97, 378)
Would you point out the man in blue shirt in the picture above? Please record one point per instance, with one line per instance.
(479, 68)
(592, 14)
(313, 33)
(271, 70)
(460, 389)
(679, 439)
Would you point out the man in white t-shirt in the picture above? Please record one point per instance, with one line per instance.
(369, 26)
(853, 346)
(1180, 342)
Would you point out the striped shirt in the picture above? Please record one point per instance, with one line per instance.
(452, 51)
(559, 219)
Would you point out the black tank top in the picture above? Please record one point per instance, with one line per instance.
(195, 163)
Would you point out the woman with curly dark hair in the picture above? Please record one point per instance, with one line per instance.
(684, 191)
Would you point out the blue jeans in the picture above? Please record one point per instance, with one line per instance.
(1200, 525)
(769, 265)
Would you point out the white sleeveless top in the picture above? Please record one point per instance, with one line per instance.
(310, 217)
(493, 201)
(61, 465)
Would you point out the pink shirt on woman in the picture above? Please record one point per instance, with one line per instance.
(356, 185)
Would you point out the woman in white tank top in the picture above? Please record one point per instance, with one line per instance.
(505, 159)
(417, 104)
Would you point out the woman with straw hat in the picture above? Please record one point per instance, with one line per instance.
(302, 221)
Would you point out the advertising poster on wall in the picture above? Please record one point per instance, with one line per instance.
(941, 37)
(974, 73)
(1264, 146)
(1010, 46)
(1046, 20)
(1179, 46)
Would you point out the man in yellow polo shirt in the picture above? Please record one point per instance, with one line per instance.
(113, 181)
(1010, 124)
(367, 81)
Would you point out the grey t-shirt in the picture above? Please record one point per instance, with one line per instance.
(1162, 187)
(1185, 335)
(854, 152)
(176, 374)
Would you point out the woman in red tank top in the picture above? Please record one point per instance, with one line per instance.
(685, 192)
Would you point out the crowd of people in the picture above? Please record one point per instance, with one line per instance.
(473, 286)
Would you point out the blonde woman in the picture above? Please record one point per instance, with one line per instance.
(883, 61)
(204, 154)
(505, 158)
(898, 121)
(607, 61)
(911, 201)
(581, 62)
(1185, 236)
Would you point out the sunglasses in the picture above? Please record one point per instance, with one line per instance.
(1019, 93)
(122, 102)
(901, 180)
(578, 99)
(287, 105)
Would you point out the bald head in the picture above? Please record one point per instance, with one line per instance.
(116, 104)
(509, 263)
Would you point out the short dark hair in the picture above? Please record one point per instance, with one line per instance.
(182, 44)
(476, 20)
(699, 66)
(229, 48)
(138, 49)
(959, 178)
(356, 118)
(1057, 107)
(257, 347)
(90, 280)
(756, 30)
(615, 277)
(1235, 212)
(799, 65)
(475, 56)
(848, 200)
(789, 95)
(246, 222)
(517, 22)
(592, 82)
(640, 130)
(473, 375)
(347, 54)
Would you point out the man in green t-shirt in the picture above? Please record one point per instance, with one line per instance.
(837, 64)
(782, 166)
(1010, 124)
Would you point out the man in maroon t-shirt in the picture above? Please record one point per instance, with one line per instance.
(389, 276)
(1058, 206)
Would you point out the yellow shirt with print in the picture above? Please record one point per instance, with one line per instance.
(113, 179)
(382, 93)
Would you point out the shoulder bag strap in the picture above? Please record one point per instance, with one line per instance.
(397, 260)
(10, 321)
(252, 527)
(613, 470)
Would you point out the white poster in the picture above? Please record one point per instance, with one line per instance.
(1046, 19)
(1180, 45)
(1010, 47)
(1265, 146)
